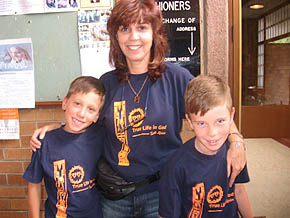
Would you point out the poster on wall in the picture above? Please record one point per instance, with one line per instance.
(9, 123)
(182, 23)
(94, 42)
(16, 73)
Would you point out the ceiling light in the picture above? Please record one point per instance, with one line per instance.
(256, 6)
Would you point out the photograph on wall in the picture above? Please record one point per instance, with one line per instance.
(94, 42)
(61, 4)
(15, 57)
(182, 24)
(96, 3)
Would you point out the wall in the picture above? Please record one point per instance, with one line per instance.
(215, 38)
(15, 154)
(277, 74)
(14, 158)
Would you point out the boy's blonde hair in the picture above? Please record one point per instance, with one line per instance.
(205, 92)
(86, 84)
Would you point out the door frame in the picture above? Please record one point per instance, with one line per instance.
(235, 57)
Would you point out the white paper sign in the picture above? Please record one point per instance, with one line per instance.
(16, 74)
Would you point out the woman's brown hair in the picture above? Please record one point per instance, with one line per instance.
(128, 12)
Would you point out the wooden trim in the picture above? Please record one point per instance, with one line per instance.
(47, 103)
(235, 59)
(231, 46)
(203, 62)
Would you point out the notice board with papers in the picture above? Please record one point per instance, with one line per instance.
(55, 49)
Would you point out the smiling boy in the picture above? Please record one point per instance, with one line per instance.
(68, 157)
(194, 182)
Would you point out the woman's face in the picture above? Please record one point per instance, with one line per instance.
(17, 54)
(135, 42)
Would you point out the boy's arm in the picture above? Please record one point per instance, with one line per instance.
(236, 156)
(34, 198)
(243, 201)
(34, 141)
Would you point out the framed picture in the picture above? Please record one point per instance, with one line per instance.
(96, 3)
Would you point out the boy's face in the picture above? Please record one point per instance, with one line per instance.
(211, 129)
(81, 110)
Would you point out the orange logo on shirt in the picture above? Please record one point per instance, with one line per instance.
(61, 185)
(135, 115)
(120, 123)
(215, 195)
(198, 196)
(76, 175)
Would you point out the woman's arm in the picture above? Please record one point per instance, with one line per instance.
(243, 201)
(236, 156)
(34, 198)
(34, 142)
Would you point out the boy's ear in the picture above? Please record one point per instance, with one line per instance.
(233, 113)
(96, 118)
(189, 120)
(64, 103)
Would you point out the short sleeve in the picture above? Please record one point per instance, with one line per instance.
(34, 171)
(243, 177)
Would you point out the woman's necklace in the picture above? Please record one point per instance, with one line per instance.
(137, 97)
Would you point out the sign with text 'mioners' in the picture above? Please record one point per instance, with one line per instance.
(182, 23)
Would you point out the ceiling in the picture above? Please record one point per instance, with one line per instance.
(254, 14)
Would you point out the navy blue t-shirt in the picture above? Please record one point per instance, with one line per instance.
(141, 150)
(67, 162)
(196, 185)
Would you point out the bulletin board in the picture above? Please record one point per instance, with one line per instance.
(56, 46)
(55, 49)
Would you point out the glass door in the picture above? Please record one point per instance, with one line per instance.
(265, 110)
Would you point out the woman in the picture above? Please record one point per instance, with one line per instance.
(144, 106)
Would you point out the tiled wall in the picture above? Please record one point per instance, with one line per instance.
(15, 156)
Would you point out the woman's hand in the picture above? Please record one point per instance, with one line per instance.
(236, 156)
(40, 133)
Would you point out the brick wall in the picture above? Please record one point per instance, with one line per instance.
(15, 156)
(277, 74)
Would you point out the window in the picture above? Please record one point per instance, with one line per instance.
(271, 27)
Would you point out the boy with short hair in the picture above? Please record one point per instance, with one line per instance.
(194, 182)
(68, 157)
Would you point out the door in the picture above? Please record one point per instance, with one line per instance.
(265, 69)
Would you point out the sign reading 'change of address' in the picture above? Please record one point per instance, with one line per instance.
(182, 22)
